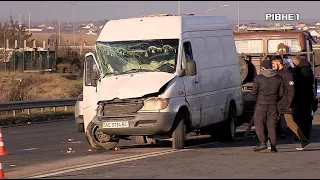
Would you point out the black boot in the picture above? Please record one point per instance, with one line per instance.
(273, 149)
(260, 147)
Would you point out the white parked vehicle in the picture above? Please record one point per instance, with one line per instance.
(162, 76)
(78, 114)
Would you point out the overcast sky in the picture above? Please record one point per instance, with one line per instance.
(98, 10)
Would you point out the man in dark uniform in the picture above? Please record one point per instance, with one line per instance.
(269, 88)
(304, 94)
(285, 105)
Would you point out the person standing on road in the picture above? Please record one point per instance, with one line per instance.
(285, 105)
(269, 88)
(304, 94)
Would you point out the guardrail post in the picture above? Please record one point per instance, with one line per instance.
(28, 111)
(65, 108)
(54, 109)
(41, 110)
(14, 113)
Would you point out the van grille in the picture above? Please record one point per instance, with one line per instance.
(122, 107)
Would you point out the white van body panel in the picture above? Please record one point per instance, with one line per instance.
(206, 95)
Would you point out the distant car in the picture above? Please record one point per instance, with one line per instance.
(78, 114)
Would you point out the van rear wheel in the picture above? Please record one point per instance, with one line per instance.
(99, 140)
(226, 131)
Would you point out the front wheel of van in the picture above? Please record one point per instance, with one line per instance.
(99, 140)
(179, 134)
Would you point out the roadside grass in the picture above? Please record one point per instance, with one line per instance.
(18, 86)
(48, 114)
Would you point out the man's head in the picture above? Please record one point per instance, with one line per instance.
(277, 63)
(296, 60)
(266, 64)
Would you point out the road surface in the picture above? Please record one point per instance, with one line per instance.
(42, 151)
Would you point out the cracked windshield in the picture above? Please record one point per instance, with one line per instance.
(121, 57)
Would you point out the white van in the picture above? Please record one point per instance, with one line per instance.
(162, 76)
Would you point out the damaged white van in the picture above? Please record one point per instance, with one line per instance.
(161, 77)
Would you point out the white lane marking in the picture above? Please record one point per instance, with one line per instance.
(15, 132)
(29, 149)
(112, 161)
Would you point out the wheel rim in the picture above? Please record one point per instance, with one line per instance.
(99, 136)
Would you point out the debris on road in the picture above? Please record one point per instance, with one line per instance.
(116, 149)
(89, 150)
(71, 139)
(12, 165)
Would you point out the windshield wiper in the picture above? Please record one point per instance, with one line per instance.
(136, 70)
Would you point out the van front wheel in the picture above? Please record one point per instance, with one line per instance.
(179, 134)
(99, 140)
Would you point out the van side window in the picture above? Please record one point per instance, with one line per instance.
(187, 51)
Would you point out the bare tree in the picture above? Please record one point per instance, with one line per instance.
(12, 31)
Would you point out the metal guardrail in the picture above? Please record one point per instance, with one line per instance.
(19, 105)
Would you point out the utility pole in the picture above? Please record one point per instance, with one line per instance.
(29, 23)
(179, 7)
(238, 16)
(74, 28)
(59, 33)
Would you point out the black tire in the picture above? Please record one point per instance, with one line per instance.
(243, 69)
(179, 134)
(106, 142)
(226, 131)
(145, 140)
(152, 140)
(80, 127)
(140, 140)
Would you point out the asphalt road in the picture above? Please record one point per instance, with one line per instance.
(41, 151)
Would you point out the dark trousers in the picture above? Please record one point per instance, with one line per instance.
(266, 115)
(303, 118)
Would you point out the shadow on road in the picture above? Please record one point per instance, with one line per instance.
(250, 141)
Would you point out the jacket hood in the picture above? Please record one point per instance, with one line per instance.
(268, 72)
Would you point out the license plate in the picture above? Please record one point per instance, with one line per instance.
(123, 124)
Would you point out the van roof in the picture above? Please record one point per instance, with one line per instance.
(161, 26)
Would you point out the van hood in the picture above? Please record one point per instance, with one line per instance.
(132, 85)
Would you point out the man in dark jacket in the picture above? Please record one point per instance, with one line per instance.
(285, 105)
(304, 94)
(269, 88)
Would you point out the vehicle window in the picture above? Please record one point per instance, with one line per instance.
(249, 46)
(153, 55)
(188, 51)
(292, 44)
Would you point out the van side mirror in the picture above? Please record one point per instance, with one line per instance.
(191, 68)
